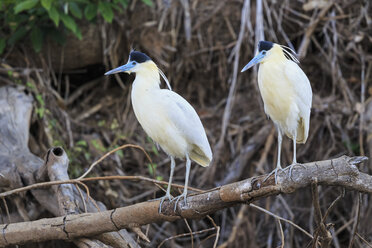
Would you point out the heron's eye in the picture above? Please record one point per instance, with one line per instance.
(133, 63)
(264, 52)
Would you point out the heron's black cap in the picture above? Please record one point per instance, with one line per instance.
(265, 45)
(138, 57)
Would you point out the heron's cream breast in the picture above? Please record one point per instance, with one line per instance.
(277, 93)
(152, 116)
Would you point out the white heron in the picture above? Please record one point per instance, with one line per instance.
(286, 93)
(166, 117)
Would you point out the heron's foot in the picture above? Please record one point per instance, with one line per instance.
(290, 167)
(178, 198)
(162, 199)
(275, 171)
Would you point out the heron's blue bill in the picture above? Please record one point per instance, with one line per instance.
(123, 68)
(257, 59)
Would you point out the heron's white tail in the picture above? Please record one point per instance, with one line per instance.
(197, 155)
(302, 131)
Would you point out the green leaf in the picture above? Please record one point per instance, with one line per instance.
(90, 11)
(106, 11)
(82, 1)
(101, 123)
(37, 39)
(25, 5)
(151, 168)
(82, 143)
(40, 99)
(40, 112)
(17, 35)
(78, 33)
(148, 2)
(47, 4)
(2, 45)
(69, 22)
(75, 10)
(54, 15)
(30, 85)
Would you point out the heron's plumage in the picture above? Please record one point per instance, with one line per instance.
(168, 118)
(286, 93)
(303, 98)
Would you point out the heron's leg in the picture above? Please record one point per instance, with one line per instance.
(184, 194)
(294, 161)
(278, 166)
(173, 166)
(168, 195)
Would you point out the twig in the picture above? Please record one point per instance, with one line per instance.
(325, 235)
(232, 90)
(185, 234)
(364, 240)
(111, 152)
(6, 209)
(356, 222)
(80, 182)
(281, 218)
(281, 232)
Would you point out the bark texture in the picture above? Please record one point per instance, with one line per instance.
(336, 172)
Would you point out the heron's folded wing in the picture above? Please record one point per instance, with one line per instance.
(300, 82)
(187, 121)
(303, 93)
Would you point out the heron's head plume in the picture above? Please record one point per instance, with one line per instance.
(268, 50)
(139, 63)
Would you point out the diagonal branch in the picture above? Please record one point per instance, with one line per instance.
(337, 172)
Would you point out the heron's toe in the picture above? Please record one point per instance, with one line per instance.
(162, 199)
(178, 198)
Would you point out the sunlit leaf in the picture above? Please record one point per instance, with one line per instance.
(106, 11)
(78, 33)
(69, 22)
(54, 15)
(75, 10)
(90, 11)
(47, 4)
(25, 5)
(82, 143)
(148, 2)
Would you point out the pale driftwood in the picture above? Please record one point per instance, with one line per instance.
(337, 172)
(20, 167)
(56, 163)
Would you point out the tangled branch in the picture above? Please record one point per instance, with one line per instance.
(337, 172)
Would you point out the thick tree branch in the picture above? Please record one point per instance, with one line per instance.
(337, 172)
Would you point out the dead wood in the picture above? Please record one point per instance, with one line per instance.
(21, 168)
(56, 162)
(336, 172)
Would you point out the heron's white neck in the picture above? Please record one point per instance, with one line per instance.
(147, 77)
